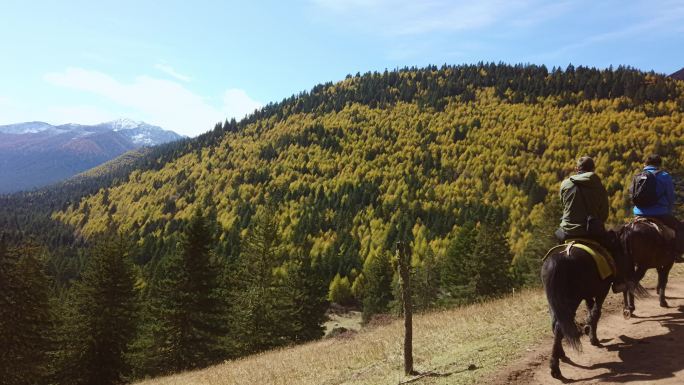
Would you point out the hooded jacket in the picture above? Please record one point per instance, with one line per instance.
(582, 195)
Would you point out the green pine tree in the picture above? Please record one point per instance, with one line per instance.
(102, 319)
(186, 322)
(26, 322)
(527, 266)
(492, 261)
(425, 281)
(458, 265)
(377, 293)
(309, 298)
(265, 305)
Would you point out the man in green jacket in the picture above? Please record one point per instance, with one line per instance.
(583, 196)
(585, 210)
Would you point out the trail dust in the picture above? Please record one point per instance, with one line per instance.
(646, 349)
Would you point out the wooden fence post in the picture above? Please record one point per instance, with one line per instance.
(404, 259)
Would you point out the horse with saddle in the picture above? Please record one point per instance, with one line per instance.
(590, 258)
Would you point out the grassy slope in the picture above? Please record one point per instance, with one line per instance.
(489, 335)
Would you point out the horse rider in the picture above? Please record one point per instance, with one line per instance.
(585, 211)
(585, 204)
(661, 210)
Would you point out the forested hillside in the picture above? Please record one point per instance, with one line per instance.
(236, 240)
(347, 161)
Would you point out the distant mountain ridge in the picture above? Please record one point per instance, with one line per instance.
(140, 133)
(679, 75)
(34, 154)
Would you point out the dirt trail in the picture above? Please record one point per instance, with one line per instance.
(647, 349)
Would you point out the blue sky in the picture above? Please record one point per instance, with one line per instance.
(186, 64)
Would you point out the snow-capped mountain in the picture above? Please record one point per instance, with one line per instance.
(141, 133)
(26, 128)
(34, 154)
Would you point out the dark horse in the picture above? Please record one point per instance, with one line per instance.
(570, 278)
(646, 246)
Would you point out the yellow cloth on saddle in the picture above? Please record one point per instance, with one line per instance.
(605, 264)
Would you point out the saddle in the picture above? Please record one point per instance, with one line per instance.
(605, 264)
(665, 231)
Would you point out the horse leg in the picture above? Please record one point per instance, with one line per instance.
(663, 273)
(639, 275)
(554, 325)
(590, 305)
(557, 352)
(595, 315)
(627, 307)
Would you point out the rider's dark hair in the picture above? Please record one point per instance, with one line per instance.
(585, 164)
(653, 160)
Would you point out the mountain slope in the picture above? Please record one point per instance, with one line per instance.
(439, 144)
(33, 154)
(679, 75)
(507, 340)
(448, 342)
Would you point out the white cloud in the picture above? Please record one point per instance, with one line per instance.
(157, 101)
(237, 103)
(167, 69)
(411, 17)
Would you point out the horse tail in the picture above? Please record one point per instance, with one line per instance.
(637, 290)
(557, 285)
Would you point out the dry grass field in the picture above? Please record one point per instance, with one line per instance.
(488, 335)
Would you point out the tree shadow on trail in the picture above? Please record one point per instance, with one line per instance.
(647, 359)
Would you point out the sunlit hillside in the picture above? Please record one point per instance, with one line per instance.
(460, 346)
(338, 162)
(485, 335)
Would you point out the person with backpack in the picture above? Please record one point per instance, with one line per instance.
(585, 211)
(653, 196)
(585, 204)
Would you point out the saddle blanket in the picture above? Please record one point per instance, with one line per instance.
(605, 264)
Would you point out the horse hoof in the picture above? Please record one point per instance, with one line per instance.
(587, 329)
(597, 343)
(556, 373)
(627, 313)
(664, 304)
